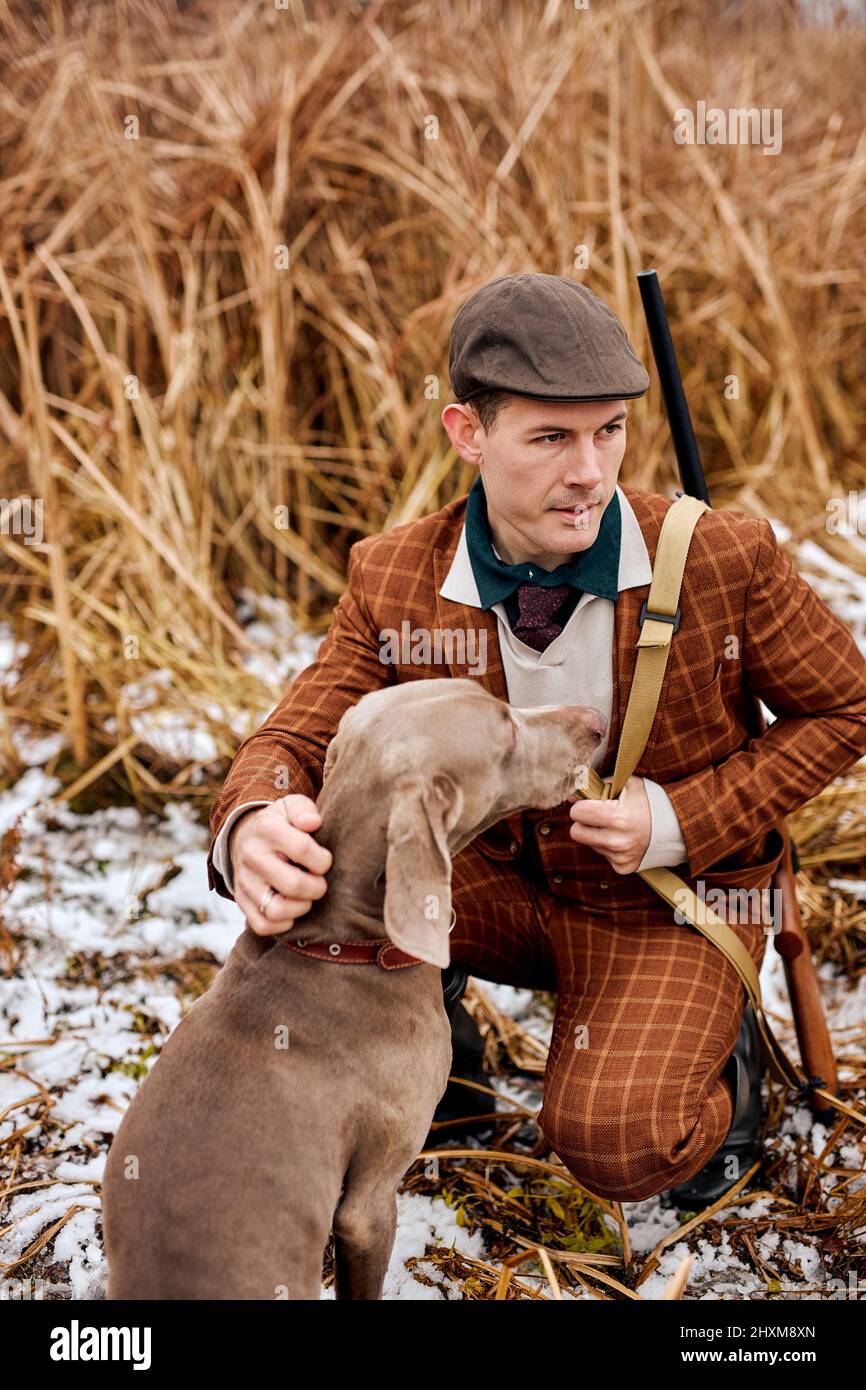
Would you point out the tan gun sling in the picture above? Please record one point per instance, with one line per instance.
(659, 616)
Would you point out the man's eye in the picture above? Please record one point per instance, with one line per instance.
(557, 435)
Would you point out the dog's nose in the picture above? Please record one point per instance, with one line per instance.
(590, 719)
(599, 724)
(579, 716)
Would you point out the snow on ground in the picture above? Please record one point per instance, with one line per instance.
(280, 652)
(104, 901)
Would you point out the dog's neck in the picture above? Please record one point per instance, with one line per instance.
(353, 907)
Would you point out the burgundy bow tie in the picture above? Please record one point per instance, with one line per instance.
(535, 625)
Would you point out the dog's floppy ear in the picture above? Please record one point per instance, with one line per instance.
(418, 867)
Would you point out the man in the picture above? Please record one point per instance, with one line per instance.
(533, 585)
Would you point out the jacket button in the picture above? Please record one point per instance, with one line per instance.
(557, 878)
(604, 885)
(544, 830)
(513, 847)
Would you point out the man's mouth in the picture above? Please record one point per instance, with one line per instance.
(578, 514)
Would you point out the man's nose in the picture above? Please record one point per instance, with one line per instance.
(581, 469)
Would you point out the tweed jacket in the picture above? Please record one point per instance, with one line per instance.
(746, 616)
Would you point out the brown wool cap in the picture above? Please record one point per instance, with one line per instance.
(544, 336)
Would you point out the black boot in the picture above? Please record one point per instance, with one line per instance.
(744, 1070)
(460, 1104)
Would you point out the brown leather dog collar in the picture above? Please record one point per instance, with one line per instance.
(381, 952)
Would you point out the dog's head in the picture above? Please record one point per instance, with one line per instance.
(432, 763)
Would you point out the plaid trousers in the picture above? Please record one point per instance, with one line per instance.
(647, 1014)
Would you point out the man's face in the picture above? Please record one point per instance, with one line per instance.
(549, 471)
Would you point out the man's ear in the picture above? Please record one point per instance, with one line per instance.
(418, 867)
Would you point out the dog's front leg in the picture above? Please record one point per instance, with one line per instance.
(365, 1224)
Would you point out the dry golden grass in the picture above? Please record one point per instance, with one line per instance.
(196, 416)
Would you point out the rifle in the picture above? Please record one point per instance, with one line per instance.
(813, 1035)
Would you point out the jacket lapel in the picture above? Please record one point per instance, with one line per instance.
(463, 618)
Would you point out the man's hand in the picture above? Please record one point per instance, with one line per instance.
(620, 829)
(273, 847)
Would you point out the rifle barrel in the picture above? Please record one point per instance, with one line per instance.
(676, 407)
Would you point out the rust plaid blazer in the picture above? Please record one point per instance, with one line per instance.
(746, 616)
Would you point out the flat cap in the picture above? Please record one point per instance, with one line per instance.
(544, 336)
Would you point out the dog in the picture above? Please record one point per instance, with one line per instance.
(296, 1092)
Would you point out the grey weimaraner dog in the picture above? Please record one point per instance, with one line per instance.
(295, 1094)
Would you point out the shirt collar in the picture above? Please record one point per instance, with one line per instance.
(461, 586)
